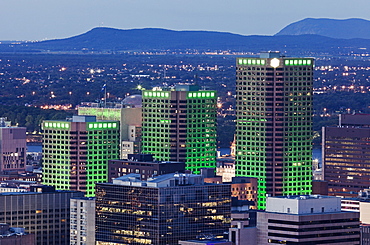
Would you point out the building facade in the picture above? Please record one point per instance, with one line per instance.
(12, 148)
(345, 155)
(274, 123)
(82, 221)
(76, 152)
(180, 126)
(161, 210)
(43, 212)
(308, 219)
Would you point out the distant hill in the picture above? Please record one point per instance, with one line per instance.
(150, 39)
(346, 29)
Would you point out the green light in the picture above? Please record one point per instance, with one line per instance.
(58, 125)
(201, 94)
(252, 61)
(297, 62)
(102, 125)
(156, 94)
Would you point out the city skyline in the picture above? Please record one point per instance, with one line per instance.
(46, 20)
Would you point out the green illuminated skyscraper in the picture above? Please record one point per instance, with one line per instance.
(274, 123)
(76, 152)
(180, 125)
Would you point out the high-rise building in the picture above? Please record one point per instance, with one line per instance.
(128, 113)
(43, 212)
(345, 155)
(180, 125)
(76, 152)
(12, 148)
(160, 210)
(274, 123)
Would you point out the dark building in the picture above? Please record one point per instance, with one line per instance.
(144, 165)
(161, 210)
(365, 234)
(274, 123)
(319, 187)
(346, 151)
(43, 212)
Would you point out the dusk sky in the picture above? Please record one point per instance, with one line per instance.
(50, 19)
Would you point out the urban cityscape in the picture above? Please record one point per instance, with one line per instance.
(169, 145)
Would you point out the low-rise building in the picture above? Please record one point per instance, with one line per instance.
(307, 219)
(42, 211)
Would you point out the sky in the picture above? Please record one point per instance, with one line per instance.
(51, 19)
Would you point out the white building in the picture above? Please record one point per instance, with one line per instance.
(82, 221)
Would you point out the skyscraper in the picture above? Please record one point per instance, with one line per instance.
(180, 125)
(274, 123)
(76, 152)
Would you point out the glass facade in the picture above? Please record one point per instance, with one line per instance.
(150, 215)
(76, 154)
(180, 126)
(274, 124)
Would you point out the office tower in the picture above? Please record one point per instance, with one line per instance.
(345, 155)
(274, 123)
(43, 212)
(308, 219)
(76, 152)
(12, 148)
(128, 113)
(144, 165)
(180, 125)
(160, 210)
(82, 221)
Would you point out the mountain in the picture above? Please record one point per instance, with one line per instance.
(345, 29)
(151, 39)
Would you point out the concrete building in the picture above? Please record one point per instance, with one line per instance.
(345, 155)
(128, 113)
(43, 212)
(242, 231)
(180, 125)
(161, 210)
(76, 152)
(274, 123)
(12, 148)
(144, 165)
(308, 219)
(82, 221)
